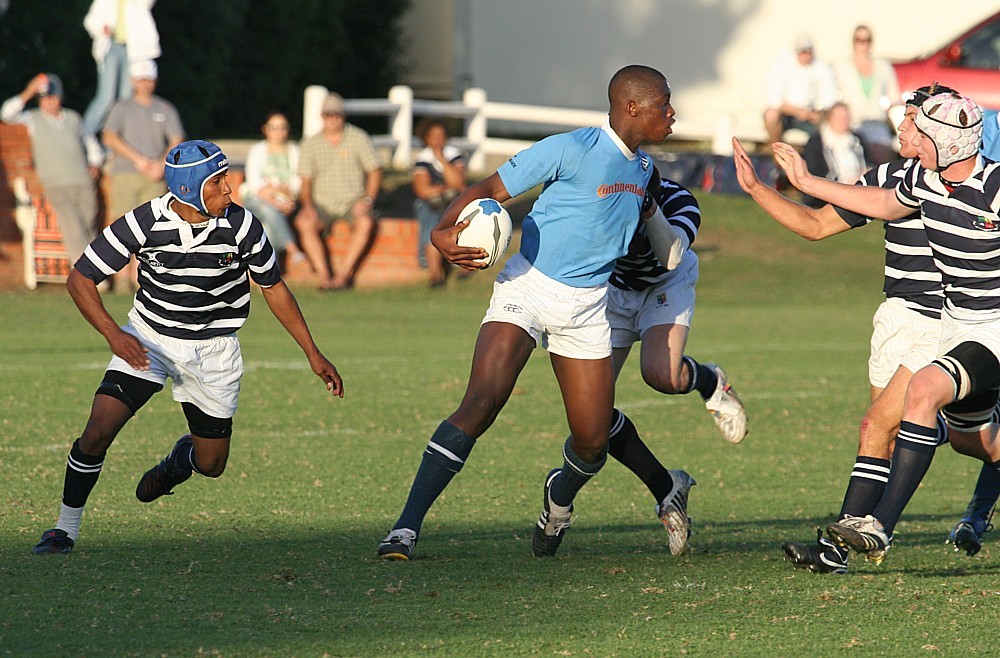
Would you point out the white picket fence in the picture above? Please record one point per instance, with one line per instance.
(401, 107)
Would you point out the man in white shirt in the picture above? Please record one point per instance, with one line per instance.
(799, 88)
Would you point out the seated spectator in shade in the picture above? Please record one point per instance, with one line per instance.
(836, 152)
(271, 185)
(799, 89)
(868, 85)
(66, 158)
(438, 176)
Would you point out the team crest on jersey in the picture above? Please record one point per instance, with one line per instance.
(661, 298)
(227, 259)
(986, 224)
(149, 258)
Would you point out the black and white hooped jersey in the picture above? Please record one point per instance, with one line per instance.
(963, 230)
(639, 268)
(193, 279)
(910, 272)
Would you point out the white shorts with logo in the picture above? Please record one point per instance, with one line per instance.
(205, 373)
(632, 312)
(901, 337)
(565, 320)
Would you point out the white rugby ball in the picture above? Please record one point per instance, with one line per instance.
(489, 227)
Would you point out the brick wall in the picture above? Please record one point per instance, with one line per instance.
(392, 259)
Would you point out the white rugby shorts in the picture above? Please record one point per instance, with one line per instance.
(900, 337)
(955, 331)
(632, 312)
(565, 320)
(205, 373)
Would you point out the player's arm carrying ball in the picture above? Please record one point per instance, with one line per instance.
(444, 237)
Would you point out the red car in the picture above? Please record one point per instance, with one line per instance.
(969, 63)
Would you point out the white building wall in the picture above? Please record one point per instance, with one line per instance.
(715, 53)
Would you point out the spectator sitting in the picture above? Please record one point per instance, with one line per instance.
(868, 85)
(67, 159)
(836, 152)
(271, 185)
(341, 176)
(799, 89)
(438, 177)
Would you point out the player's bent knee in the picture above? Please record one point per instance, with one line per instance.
(212, 467)
(663, 381)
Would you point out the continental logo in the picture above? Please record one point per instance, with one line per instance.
(605, 191)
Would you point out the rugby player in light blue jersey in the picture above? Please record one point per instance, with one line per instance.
(552, 293)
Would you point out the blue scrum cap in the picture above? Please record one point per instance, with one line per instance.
(189, 166)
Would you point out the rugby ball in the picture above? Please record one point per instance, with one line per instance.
(489, 227)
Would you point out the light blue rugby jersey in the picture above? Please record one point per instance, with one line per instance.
(587, 212)
(991, 135)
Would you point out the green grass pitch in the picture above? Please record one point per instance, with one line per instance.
(277, 558)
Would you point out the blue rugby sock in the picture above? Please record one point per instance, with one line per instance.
(574, 474)
(444, 456)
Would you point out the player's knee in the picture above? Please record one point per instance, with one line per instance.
(95, 443)
(875, 434)
(927, 393)
(477, 412)
(664, 380)
(211, 466)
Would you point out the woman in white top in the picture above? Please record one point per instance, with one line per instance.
(271, 187)
(868, 85)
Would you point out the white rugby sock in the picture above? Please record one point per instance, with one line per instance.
(69, 520)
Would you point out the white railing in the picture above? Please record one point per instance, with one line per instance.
(400, 107)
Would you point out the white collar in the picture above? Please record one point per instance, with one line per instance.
(628, 153)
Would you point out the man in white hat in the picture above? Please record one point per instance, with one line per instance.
(140, 131)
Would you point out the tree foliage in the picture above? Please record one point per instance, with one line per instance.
(224, 64)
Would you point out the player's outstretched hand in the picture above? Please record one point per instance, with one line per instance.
(126, 346)
(328, 373)
(745, 172)
(788, 158)
(446, 241)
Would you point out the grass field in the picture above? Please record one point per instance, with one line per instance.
(277, 558)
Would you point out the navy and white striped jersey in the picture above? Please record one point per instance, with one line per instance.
(639, 268)
(963, 229)
(910, 272)
(193, 279)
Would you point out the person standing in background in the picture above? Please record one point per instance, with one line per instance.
(66, 157)
(123, 31)
(869, 88)
(140, 131)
